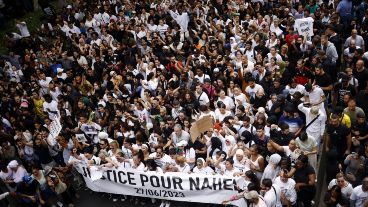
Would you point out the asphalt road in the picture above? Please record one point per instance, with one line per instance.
(91, 199)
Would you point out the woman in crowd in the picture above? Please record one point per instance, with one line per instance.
(345, 187)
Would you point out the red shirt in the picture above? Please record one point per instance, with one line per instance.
(289, 38)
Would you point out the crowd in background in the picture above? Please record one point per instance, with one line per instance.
(132, 76)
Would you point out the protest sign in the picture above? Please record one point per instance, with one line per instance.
(55, 128)
(175, 186)
(203, 124)
(81, 138)
(304, 26)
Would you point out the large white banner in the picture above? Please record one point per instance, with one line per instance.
(168, 186)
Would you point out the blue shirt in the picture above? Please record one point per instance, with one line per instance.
(344, 8)
(294, 123)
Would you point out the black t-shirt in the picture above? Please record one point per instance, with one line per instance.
(197, 145)
(43, 154)
(281, 138)
(258, 102)
(342, 90)
(155, 111)
(323, 80)
(338, 137)
(362, 78)
(363, 129)
(278, 90)
(362, 101)
(30, 189)
(302, 176)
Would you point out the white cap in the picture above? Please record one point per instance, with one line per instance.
(165, 47)
(102, 103)
(112, 73)
(59, 70)
(103, 135)
(13, 164)
(216, 70)
(69, 6)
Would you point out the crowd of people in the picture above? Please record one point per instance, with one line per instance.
(126, 79)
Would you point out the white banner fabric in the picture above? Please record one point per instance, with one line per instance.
(174, 186)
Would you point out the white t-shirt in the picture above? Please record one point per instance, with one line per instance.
(143, 116)
(252, 91)
(55, 93)
(228, 102)
(152, 27)
(164, 160)
(221, 169)
(241, 166)
(45, 84)
(24, 32)
(19, 174)
(140, 167)
(162, 29)
(315, 95)
(203, 170)
(346, 190)
(288, 189)
(272, 197)
(201, 79)
(298, 87)
(242, 98)
(202, 98)
(220, 116)
(359, 196)
(6, 176)
(184, 169)
(190, 154)
(52, 106)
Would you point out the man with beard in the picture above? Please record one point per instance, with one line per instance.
(338, 137)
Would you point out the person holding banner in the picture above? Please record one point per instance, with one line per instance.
(252, 197)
